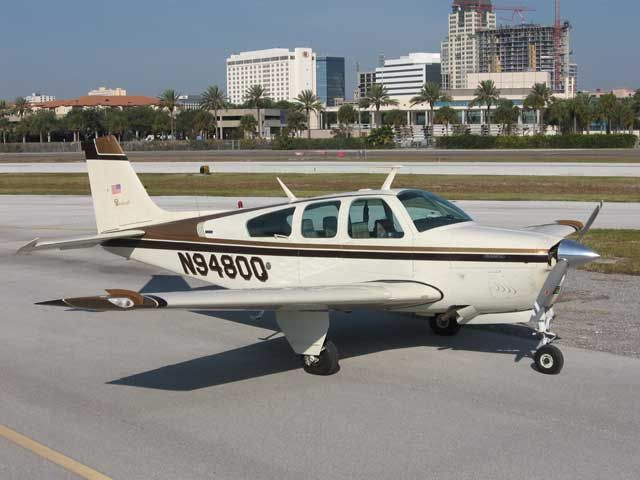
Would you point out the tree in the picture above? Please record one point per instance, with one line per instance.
(4, 122)
(203, 121)
(607, 105)
(347, 115)
(446, 116)
(296, 121)
(161, 122)
(395, 118)
(539, 99)
(214, 99)
(431, 94)
(21, 107)
(116, 122)
(381, 137)
(486, 94)
(506, 114)
(169, 100)
(377, 97)
(248, 124)
(623, 115)
(140, 120)
(255, 98)
(309, 102)
(43, 121)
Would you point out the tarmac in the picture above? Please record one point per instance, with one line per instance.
(171, 394)
(414, 167)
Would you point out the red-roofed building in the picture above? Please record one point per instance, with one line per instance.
(62, 107)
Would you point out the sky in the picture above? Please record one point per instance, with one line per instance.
(68, 47)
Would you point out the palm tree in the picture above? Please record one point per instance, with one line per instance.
(202, 122)
(431, 94)
(248, 123)
(116, 122)
(396, 118)
(4, 123)
(296, 121)
(347, 115)
(255, 97)
(539, 99)
(486, 94)
(607, 106)
(377, 97)
(446, 116)
(21, 107)
(309, 102)
(169, 100)
(506, 114)
(214, 99)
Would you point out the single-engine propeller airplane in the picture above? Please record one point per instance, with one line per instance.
(398, 250)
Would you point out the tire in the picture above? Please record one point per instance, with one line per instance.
(327, 363)
(549, 360)
(445, 326)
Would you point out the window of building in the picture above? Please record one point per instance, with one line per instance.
(430, 211)
(320, 220)
(373, 218)
(271, 224)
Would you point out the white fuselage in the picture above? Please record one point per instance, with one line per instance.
(492, 269)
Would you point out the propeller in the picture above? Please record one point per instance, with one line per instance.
(587, 226)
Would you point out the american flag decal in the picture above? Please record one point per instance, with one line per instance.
(115, 189)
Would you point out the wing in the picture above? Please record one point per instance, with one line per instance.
(561, 228)
(376, 295)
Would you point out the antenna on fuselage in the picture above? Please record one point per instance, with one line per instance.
(392, 175)
(287, 192)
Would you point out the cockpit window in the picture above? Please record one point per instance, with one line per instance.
(430, 211)
(272, 224)
(320, 220)
(373, 218)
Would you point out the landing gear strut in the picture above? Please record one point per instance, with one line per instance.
(324, 364)
(549, 359)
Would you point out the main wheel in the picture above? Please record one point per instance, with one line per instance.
(444, 325)
(324, 364)
(549, 360)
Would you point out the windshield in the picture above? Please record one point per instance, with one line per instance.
(430, 211)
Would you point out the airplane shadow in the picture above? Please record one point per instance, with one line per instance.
(357, 334)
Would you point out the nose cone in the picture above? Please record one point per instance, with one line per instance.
(575, 253)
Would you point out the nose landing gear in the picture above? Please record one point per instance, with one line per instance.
(549, 359)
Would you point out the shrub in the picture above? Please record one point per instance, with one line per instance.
(537, 141)
(283, 142)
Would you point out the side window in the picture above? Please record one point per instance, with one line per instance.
(373, 218)
(320, 220)
(271, 224)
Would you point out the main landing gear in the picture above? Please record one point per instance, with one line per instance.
(324, 364)
(444, 324)
(549, 359)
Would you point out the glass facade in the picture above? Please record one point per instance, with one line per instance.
(330, 80)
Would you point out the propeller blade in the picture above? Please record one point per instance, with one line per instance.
(550, 289)
(587, 226)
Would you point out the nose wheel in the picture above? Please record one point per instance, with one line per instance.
(324, 364)
(445, 325)
(549, 359)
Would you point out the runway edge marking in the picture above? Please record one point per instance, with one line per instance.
(49, 454)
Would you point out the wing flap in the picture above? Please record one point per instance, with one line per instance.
(78, 242)
(380, 295)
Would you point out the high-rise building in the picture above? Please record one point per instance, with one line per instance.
(108, 92)
(330, 79)
(365, 81)
(282, 72)
(459, 50)
(527, 48)
(39, 97)
(406, 75)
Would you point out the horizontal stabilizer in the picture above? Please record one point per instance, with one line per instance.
(78, 242)
(380, 295)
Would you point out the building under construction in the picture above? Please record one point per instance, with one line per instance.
(527, 48)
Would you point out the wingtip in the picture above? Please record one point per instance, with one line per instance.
(25, 249)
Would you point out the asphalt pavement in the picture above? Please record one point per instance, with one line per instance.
(426, 168)
(170, 394)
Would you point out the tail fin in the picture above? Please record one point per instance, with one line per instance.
(120, 201)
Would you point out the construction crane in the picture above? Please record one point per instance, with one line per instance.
(557, 46)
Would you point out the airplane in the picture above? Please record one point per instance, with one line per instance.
(385, 249)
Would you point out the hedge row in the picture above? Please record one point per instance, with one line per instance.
(288, 143)
(537, 141)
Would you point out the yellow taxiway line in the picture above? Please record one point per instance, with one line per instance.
(51, 455)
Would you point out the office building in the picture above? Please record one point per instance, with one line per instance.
(189, 102)
(460, 49)
(39, 97)
(330, 79)
(282, 72)
(365, 81)
(407, 75)
(108, 92)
